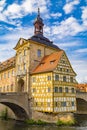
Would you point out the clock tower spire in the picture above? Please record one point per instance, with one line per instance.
(38, 24)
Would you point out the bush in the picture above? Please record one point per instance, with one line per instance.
(33, 122)
(67, 123)
(4, 114)
(30, 121)
(40, 122)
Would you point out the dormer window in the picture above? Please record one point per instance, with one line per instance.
(39, 53)
(41, 64)
(52, 62)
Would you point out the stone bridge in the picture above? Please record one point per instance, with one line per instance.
(18, 103)
(81, 100)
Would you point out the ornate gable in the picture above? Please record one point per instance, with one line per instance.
(20, 43)
(64, 65)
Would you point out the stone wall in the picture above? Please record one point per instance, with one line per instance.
(52, 118)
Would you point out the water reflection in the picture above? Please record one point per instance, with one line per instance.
(13, 125)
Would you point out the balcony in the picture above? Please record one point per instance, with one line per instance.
(21, 72)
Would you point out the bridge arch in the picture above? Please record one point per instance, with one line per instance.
(18, 103)
(81, 106)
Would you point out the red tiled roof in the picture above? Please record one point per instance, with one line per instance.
(82, 87)
(48, 62)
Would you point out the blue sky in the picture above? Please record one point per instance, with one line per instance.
(65, 24)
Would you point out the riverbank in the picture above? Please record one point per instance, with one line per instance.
(18, 125)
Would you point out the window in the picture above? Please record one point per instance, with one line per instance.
(49, 77)
(60, 90)
(56, 77)
(3, 88)
(24, 66)
(8, 88)
(72, 103)
(41, 103)
(36, 104)
(55, 104)
(39, 53)
(0, 77)
(34, 79)
(12, 72)
(4, 75)
(64, 78)
(52, 62)
(63, 104)
(0, 89)
(49, 89)
(56, 89)
(11, 87)
(66, 89)
(18, 67)
(8, 74)
(25, 52)
(71, 79)
(72, 90)
(34, 90)
(60, 69)
(67, 70)
(48, 104)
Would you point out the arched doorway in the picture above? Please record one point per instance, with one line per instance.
(21, 85)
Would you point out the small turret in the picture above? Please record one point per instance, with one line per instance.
(38, 24)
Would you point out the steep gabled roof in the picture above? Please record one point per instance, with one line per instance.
(48, 62)
(7, 64)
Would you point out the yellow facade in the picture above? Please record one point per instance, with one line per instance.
(52, 92)
(42, 92)
(7, 80)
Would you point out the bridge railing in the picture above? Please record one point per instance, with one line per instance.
(14, 93)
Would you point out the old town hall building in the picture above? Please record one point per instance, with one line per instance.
(41, 69)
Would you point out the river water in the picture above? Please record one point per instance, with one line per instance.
(14, 125)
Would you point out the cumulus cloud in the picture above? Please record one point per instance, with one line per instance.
(56, 15)
(10, 40)
(15, 10)
(83, 50)
(70, 5)
(80, 68)
(68, 27)
(84, 16)
(2, 4)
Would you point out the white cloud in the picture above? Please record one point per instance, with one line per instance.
(84, 15)
(55, 15)
(68, 27)
(2, 4)
(84, 50)
(69, 44)
(11, 39)
(80, 67)
(15, 11)
(68, 8)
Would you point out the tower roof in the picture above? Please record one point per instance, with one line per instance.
(38, 18)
